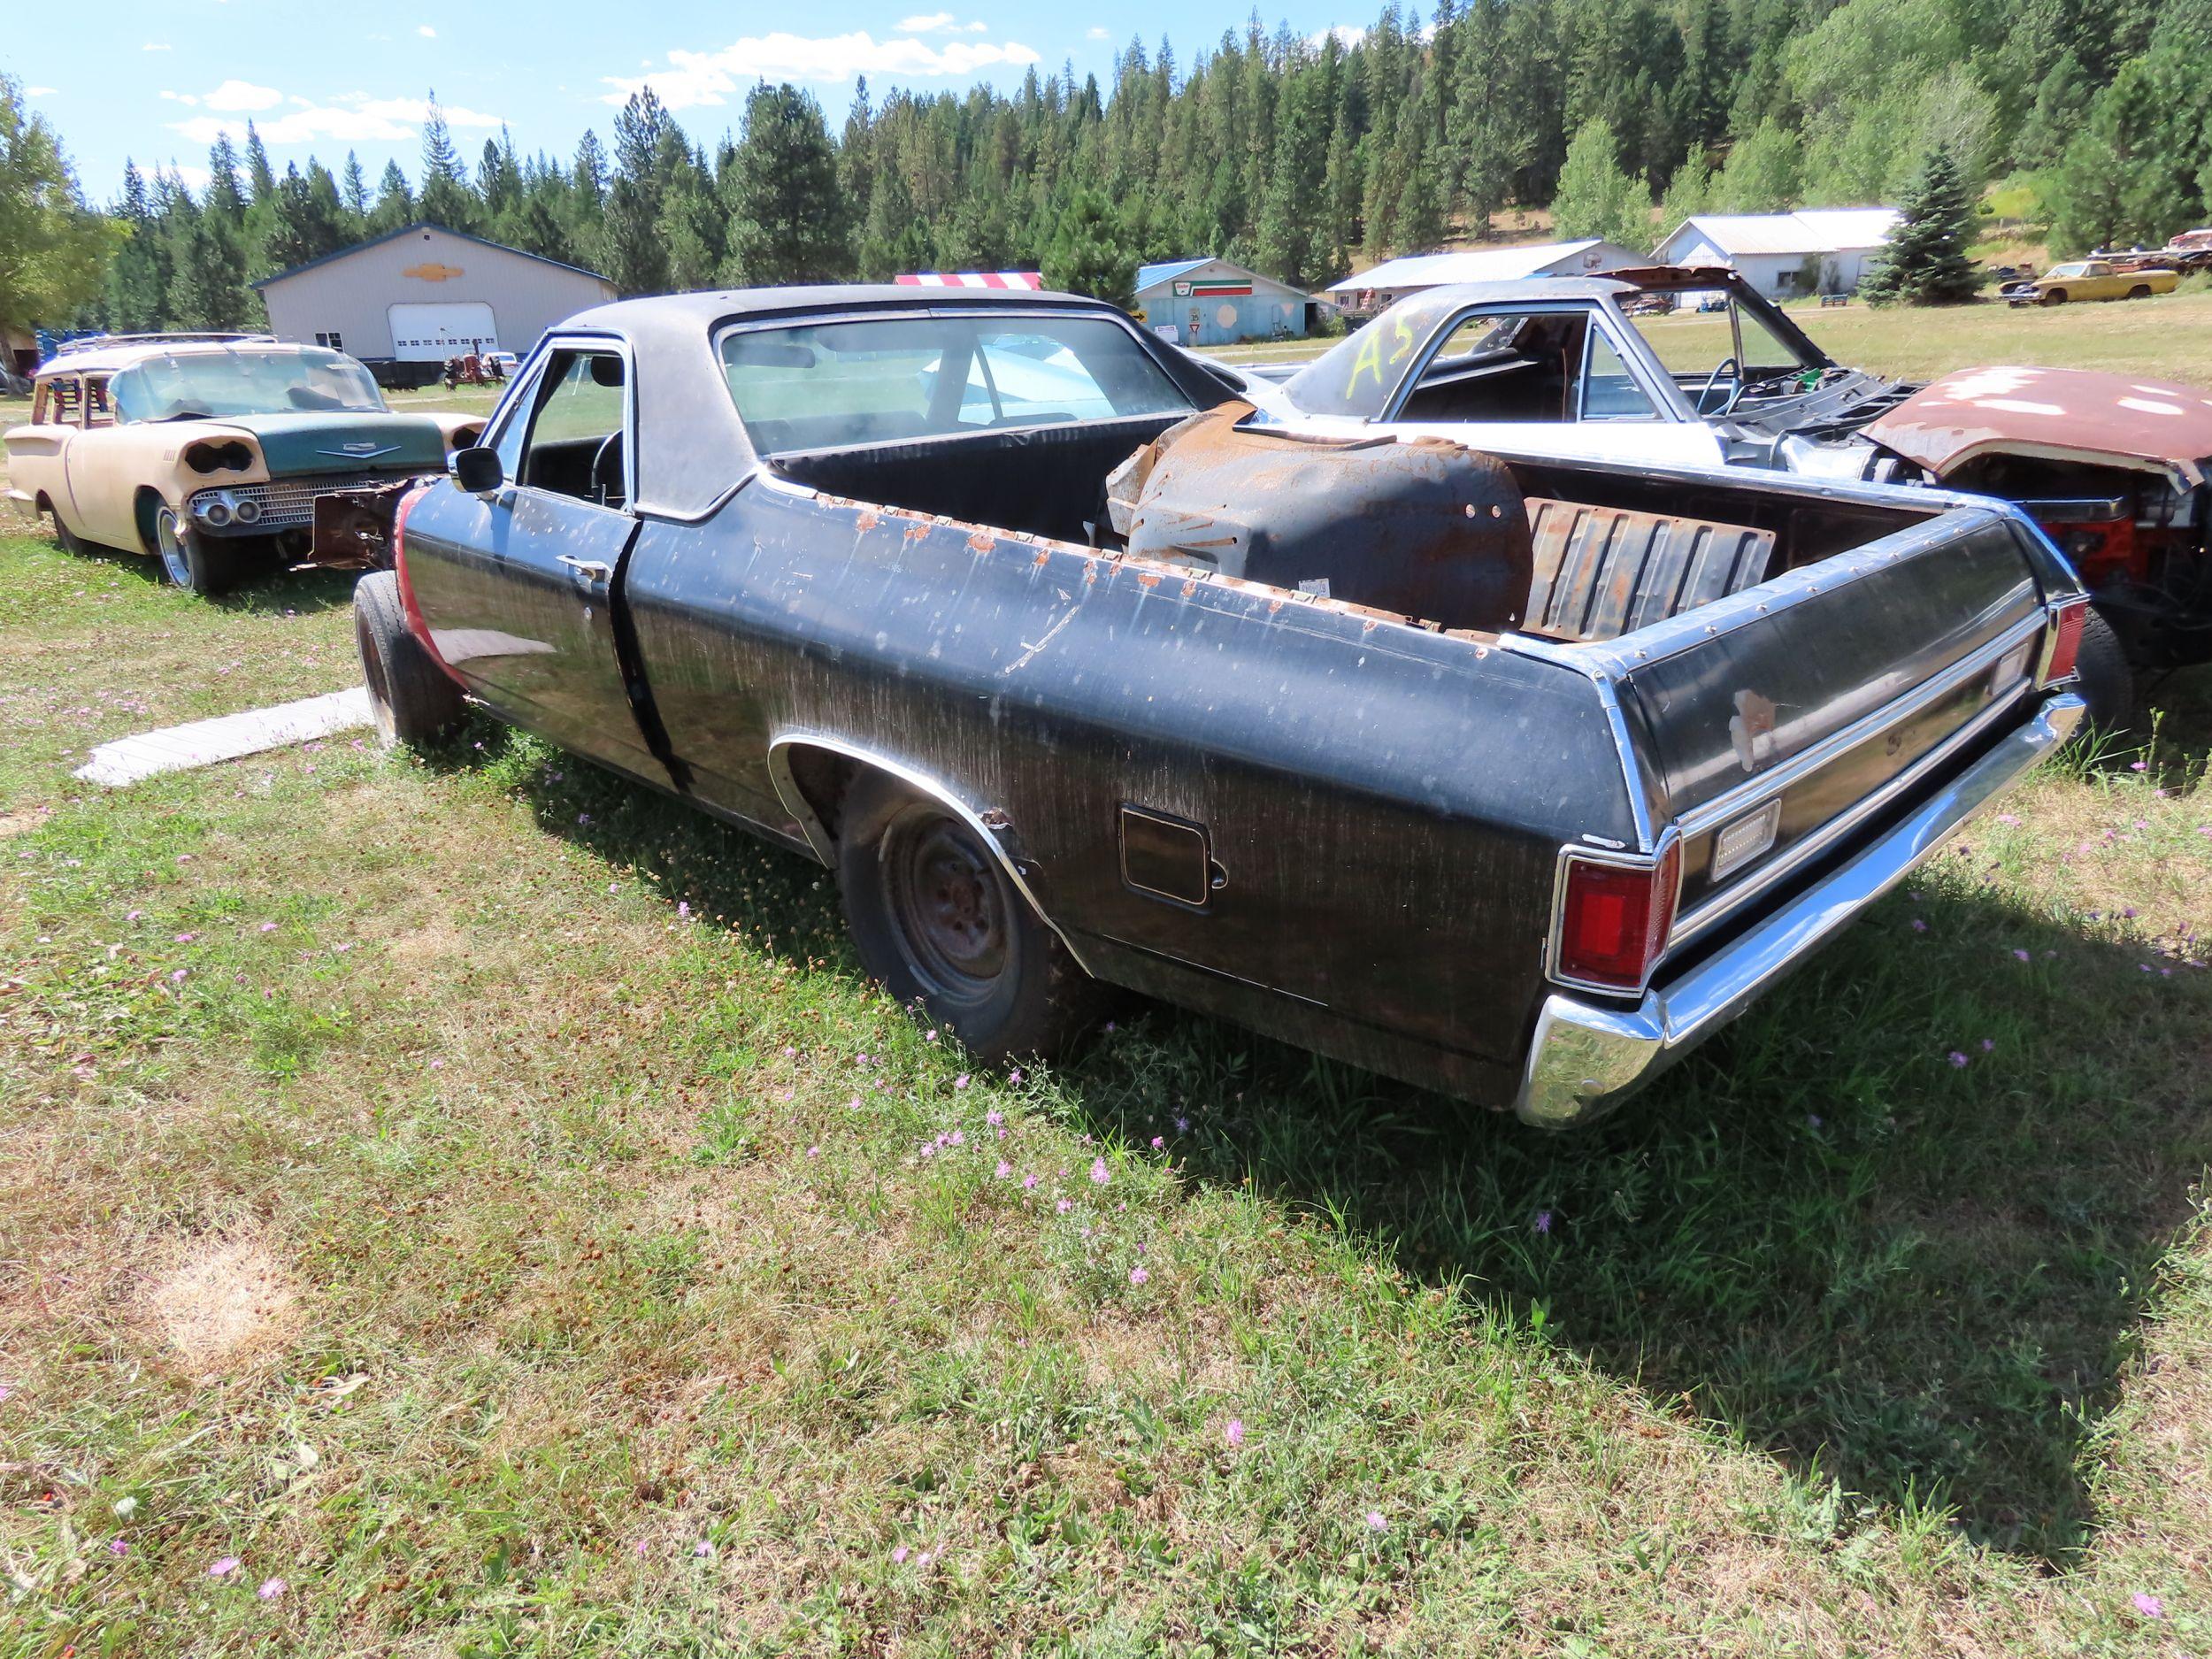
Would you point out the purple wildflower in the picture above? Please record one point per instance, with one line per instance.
(960, 1081)
(1137, 1275)
(271, 1588)
(2021, 956)
(1099, 1176)
(223, 1568)
(1957, 1059)
(1375, 1519)
(994, 1118)
(1157, 1142)
(2148, 1606)
(1542, 1224)
(1235, 1432)
(1004, 1169)
(1029, 1182)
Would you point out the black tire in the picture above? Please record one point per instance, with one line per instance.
(413, 701)
(2054, 297)
(67, 539)
(2108, 682)
(938, 922)
(200, 564)
(2141, 291)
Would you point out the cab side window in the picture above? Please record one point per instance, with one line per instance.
(1502, 367)
(577, 440)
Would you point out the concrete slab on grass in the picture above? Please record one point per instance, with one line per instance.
(180, 748)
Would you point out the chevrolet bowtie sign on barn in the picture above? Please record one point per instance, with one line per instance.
(406, 303)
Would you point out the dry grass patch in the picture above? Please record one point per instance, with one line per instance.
(223, 1304)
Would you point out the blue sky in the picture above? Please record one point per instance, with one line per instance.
(156, 82)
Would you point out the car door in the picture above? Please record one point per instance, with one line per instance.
(1546, 380)
(516, 585)
(35, 449)
(107, 465)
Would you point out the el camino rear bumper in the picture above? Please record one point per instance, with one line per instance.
(1587, 1057)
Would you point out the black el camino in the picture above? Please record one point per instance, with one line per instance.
(1511, 778)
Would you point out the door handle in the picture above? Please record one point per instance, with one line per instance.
(591, 572)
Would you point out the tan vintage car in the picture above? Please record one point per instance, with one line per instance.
(209, 451)
(2092, 280)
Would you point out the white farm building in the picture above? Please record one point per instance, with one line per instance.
(422, 294)
(1785, 256)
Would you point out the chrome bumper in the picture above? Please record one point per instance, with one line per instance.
(1587, 1057)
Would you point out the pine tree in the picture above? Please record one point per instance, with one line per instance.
(307, 219)
(1926, 262)
(446, 197)
(788, 221)
(138, 279)
(395, 203)
(1089, 252)
(354, 192)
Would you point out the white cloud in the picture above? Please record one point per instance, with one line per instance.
(242, 94)
(353, 119)
(40, 92)
(180, 97)
(938, 23)
(193, 178)
(1094, 33)
(707, 78)
(425, 31)
(1347, 36)
(154, 46)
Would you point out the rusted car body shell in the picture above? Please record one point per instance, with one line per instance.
(1383, 800)
(2059, 414)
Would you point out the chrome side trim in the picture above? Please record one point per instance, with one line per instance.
(1704, 917)
(824, 846)
(1586, 1058)
(1777, 779)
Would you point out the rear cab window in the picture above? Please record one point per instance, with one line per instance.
(885, 380)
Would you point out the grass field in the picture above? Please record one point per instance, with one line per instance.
(468, 1206)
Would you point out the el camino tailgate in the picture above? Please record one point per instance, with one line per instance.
(1793, 708)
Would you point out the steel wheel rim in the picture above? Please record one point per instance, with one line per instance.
(948, 908)
(167, 538)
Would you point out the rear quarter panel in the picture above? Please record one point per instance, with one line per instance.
(1386, 804)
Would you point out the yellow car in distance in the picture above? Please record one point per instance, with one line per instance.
(2089, 279)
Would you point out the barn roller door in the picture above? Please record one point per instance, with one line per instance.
(433, 331)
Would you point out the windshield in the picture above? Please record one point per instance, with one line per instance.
(1357, 375)
(881, 380)
(241, 382)
(1710, 344)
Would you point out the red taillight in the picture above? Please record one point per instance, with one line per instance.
(1614, 919)
(2058, 663)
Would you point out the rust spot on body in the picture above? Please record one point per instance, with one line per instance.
(982, 541)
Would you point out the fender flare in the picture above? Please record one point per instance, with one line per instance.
(824, 845)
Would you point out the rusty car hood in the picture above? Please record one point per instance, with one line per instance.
(2072, 414)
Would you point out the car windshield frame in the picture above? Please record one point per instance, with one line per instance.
(889, 402)
(238, 381)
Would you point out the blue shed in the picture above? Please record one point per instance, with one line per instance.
(1212, 303)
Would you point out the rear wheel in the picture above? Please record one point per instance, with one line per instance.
(192, 560)
(413, 701)
(65, 538)
(2054, 297)
(2141, 291)
(937, 921)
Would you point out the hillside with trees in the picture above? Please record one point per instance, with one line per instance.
(1304, 159)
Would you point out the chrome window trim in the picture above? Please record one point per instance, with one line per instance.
(1601, 326)
(1410, 382)
(1573, 853)
(618, 347)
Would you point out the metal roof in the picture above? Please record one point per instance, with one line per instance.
(408, 230)
(1151, 276)
(93, 358)
(1472, 264)
(1808, 230)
